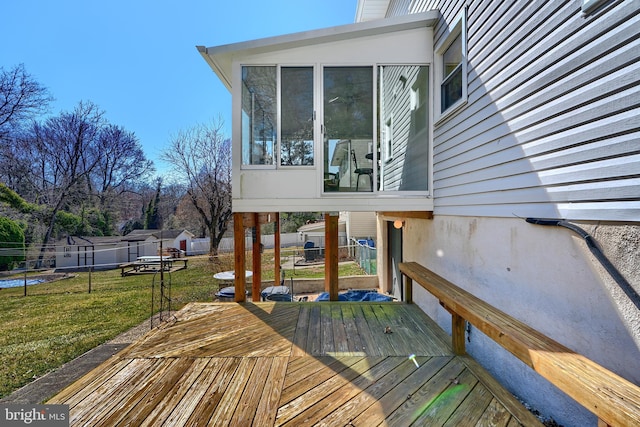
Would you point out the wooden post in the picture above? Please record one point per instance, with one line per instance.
(239, 256)
(276, 250)
(256, 260)
(408, 289)
(457, 334)
(331, 255)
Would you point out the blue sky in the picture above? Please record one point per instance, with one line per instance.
(136, 59)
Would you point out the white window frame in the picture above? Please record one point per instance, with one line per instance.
(388, 139)
(278, 149)
(457, 27)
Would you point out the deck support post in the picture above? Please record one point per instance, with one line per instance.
(331, 255)
(239, 256)
(256, 263)
(276, 250)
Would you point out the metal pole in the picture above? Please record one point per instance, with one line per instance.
(161, 278)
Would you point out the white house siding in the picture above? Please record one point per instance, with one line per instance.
(361, 225)
(552, 122)
(550, 129)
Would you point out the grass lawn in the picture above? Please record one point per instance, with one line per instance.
(59, 321)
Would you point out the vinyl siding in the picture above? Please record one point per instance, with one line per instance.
(551, 127)
(362, 224)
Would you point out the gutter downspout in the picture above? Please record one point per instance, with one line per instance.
(597, 252)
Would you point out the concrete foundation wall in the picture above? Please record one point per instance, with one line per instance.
(544, 276)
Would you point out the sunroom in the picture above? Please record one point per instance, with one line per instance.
(336, 119)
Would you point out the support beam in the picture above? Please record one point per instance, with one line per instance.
(393, 215)
(250, 219)
(239, 256)
(256, 263)
(331, 255)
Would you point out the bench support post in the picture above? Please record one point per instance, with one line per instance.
(408, 289)
(457, 334)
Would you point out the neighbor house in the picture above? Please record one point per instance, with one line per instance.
(149, 242)
(75, 252)
(464, 124)
(78, 252)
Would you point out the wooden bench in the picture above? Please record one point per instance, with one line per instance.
(614, 400)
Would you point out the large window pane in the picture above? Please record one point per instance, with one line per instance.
(404, 109)
(259, 115)
(348, 128)
(296, 137)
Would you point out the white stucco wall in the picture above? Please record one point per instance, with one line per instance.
(546, 277)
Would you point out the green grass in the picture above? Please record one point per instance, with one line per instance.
(58, 321)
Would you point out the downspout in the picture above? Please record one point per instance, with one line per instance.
(597, 252)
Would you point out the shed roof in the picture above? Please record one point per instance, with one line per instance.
(138, 235)
(89, 240)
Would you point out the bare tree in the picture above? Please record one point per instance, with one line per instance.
(64, 152)
(21, 98)
(201, 157)
(186, 216)
(122, 163)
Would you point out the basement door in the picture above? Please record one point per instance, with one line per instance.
(394, 237)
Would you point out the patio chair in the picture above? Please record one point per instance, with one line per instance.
(361, 171)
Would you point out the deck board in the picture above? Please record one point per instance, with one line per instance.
(287, 364)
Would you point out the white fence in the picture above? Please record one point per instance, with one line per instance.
(201, 246)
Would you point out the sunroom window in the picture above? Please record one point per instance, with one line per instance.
(348, 129)
(296, 126)
(259, 115)
(404, 111)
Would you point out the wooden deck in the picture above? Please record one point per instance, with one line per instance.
(273, 364)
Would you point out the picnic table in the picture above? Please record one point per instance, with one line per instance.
(228, 276)
(151, 263)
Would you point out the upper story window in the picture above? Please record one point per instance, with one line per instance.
(452, 66)
(451, 70)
